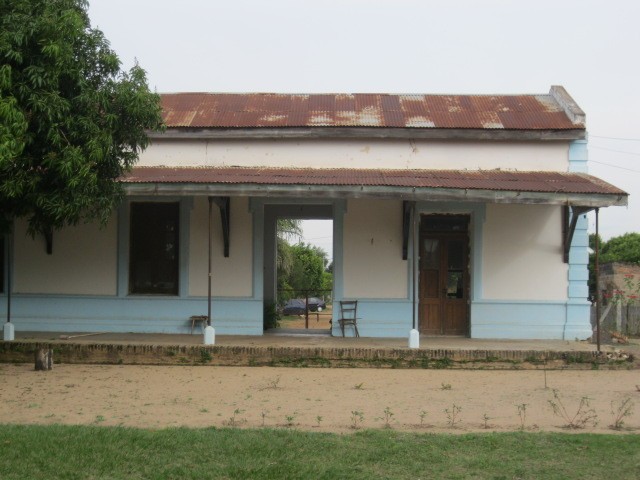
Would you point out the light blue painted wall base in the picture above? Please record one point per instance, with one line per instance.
(133, 314)
(378, 318)
(578, 324)
(523, 320)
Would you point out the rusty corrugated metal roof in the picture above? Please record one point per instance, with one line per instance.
(497, 180)
(272, 110)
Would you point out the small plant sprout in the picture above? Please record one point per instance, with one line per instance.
(233, 420)
(388, 415)
(273, 384)
(357, 417)
(445, 386)
(485, 421)
(584, 416)
(359, 386)
(422, 415)
(620, 411)
(290, 419)
(264, 415)
(319, 420)
(522, 414)
(453, 415)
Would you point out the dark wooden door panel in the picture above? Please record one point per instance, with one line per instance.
(444, 283)
(430, 322)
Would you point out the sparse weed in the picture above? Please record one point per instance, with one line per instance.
(583, 417)
(453, 415)
(620, 411)
(99, 418)
(357, 417)
(358, 386)
(445, 386)
(234, 421)
(422, 415)
(264, 415)
(522, 414)
(388, 416)
(273, 384)
(319, 420)
(485, 421)
(290, 419)
(204, 410)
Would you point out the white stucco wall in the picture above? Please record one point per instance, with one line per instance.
(368, 153)
(522, 253)
(232, 276)
(83, 262)
(373, 265)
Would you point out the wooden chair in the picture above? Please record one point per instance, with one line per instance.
(349, 315)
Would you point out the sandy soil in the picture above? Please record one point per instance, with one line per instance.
(310, 399)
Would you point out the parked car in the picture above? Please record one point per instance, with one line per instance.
(295, 306)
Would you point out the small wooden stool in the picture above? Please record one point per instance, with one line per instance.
(202, 319)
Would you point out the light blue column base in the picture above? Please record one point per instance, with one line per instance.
(578, 326)
(414, 338)
(9, 332)
(209, 335)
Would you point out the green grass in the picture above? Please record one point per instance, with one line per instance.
(112, 452)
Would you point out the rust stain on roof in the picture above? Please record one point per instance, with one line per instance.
(264, 110)
(498, 180)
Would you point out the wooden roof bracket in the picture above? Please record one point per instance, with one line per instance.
(48, 239)
(224, 204)
(406, 228)
(570, 216)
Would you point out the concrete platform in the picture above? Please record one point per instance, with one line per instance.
(300, 348)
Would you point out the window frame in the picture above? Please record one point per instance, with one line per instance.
(174, 217)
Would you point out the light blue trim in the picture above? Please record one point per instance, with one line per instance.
(578, 311)
(186, 206)
(338, 263)
(257, 210)
(578, 156)
(144, 314)
(5, 271)
(123, 248)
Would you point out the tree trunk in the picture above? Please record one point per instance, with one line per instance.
(44, 359)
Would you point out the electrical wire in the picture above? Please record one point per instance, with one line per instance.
(615, 138)
(616, 151)
(615, 166)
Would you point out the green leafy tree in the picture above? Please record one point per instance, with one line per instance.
(308, 269)
(624, 248)
(71, 122)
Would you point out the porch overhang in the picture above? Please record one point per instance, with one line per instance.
(494, 186)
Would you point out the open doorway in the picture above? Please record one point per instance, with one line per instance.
(299, 272)
(304, 274)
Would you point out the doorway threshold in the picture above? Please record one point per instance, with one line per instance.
(297, 332)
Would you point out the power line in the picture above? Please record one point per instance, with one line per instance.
(617, 151)
(616, 138)
(615, 166)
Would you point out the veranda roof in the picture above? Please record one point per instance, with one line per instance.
(494, 186)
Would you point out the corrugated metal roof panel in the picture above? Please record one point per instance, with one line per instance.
(256, 110)
(498, 180)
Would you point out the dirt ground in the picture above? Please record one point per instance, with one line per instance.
(310, 399)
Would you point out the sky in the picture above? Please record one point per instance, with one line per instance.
(403, 46)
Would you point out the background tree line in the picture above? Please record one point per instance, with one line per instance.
(301, 267)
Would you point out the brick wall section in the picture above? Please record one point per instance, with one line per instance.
(115, 354)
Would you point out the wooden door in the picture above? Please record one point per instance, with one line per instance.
(444, 280)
